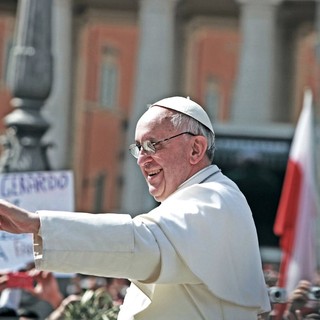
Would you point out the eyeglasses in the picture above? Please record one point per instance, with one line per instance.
(150, 147)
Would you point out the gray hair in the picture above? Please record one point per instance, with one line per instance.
(184, 122)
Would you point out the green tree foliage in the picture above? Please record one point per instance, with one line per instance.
(93, 305)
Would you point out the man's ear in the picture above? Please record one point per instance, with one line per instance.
(198, 149)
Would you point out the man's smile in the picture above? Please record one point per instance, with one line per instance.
(154, 172)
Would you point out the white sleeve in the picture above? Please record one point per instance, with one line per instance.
(112, 245)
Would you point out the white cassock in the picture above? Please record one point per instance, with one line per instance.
(196, 256)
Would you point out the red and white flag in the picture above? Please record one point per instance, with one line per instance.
(296, 219)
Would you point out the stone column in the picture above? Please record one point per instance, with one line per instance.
(255, 94)
(154, 80)
(58, 107)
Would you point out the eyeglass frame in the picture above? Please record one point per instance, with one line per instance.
(149, 147)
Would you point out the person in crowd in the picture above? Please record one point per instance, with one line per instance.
(195, 256)
(302, 303)
(105, 296)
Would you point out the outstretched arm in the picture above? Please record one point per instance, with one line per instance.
(17, 220)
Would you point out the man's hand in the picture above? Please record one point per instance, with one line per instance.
(46, 288)
(299, 297)
(16, 220)
(297, 300)
(3, 282)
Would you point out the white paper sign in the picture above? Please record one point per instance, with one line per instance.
(50, 190)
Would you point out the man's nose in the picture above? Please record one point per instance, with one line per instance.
(143, 158)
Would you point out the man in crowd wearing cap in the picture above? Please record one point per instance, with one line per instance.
(195, 256)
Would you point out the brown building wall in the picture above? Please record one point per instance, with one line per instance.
(100, 139)
(213, 56)
(307, 72)
(6, 34)
(99, 131)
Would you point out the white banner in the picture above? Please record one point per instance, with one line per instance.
(50, 190)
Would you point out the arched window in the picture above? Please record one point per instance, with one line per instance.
(212, 98)
(6, 59)
(109, 78)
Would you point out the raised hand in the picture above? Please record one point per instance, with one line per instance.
(46, 287)
(17, 220)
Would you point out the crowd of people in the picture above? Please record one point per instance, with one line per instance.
(54, 297)
(302, 303)
(84, 297)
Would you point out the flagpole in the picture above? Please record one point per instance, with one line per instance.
(316, 156)
(317, 127)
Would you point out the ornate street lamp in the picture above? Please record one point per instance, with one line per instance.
(30, 80)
